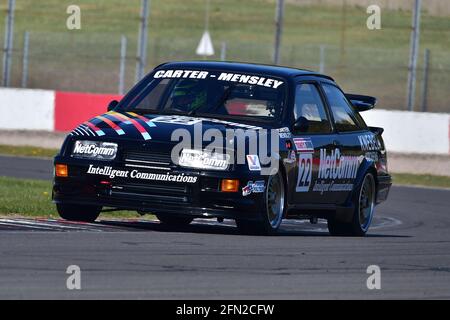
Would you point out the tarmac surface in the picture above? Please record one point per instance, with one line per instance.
(132, 259)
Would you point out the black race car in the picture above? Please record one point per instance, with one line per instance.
(248, 142)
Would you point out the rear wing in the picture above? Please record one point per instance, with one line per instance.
(360, 102)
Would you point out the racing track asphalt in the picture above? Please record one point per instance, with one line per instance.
(410, 242)
(24, 167)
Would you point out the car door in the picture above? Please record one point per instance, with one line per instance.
(312, 133)
(343, 161)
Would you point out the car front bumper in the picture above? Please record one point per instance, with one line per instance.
(201, 199)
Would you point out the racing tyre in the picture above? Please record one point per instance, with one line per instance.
(275, 206)
(174, 220)
(364, 203)
(74, 212)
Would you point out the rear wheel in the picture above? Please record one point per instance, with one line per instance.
(364, 204)
(272, 216)
(74, 212)
(174, 220)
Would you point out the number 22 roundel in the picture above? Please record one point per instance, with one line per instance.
(305, 162)
(304, 172)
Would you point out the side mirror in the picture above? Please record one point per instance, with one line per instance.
(112, 105)
(301, 125)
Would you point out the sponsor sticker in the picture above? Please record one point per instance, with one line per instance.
(189, 121)
(224, 76)
(246, 190)
(305, 161)
(335, 166)
(112, 173)
(369, 142)
(203, 160)
(303, 145)
(323, 186)
(305, 148)
(284, 133)
(291, 158)
(253, 162)
(94, 150)
(250, 79)
(253, 187)
(185, 74)
(181, 120)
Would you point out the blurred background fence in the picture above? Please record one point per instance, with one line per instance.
(334, 40)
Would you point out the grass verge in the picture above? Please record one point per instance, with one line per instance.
(421, 180)
(32, 198)
(27, 151)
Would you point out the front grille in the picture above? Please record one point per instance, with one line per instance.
(150, 160)
(152, 192)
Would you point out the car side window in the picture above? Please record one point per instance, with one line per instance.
(345, 118)
(309, 109)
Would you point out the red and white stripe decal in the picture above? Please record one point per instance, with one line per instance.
(111, 124)
(146, 120)
(136, 124)
(96, 129)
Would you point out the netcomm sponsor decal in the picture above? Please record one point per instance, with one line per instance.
(136, 174)
(94, 149)
(334, 166)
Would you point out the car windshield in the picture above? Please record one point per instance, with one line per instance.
(208, 93)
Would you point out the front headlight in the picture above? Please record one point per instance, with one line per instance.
(95, 150)
(203, 160)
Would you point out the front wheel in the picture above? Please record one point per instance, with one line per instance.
(74, 212)
(274, 204)
(364, 203)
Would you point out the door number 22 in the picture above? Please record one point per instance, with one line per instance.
(304, 172)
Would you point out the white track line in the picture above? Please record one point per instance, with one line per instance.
(18, 225)
(42, 225)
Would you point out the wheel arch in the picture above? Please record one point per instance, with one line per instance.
(287, 192)
(367, 166)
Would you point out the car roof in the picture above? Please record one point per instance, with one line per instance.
(279, 71)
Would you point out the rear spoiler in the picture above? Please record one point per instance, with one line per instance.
(360, 102)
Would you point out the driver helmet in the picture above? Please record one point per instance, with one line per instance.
(188, 95)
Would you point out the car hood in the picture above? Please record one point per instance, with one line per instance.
(152, 128)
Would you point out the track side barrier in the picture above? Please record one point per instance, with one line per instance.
(30, 109)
